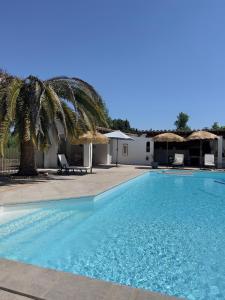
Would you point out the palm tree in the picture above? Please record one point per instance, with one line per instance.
(32, 107)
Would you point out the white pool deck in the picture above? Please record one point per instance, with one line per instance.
(22, 281)
(60, 187)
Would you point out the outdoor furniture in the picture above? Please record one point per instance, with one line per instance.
(178, 160)
(209, 160)
(66, 168)
(201, 135)
(168, 137)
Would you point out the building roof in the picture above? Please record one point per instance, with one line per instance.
(152, 133)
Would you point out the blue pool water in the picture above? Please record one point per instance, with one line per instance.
(162, 232)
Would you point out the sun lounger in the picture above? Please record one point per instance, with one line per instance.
(209, 160)
(65, 167)
(178, 160)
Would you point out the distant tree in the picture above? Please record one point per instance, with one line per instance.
(181, 122)
(123, 125)
(119, 124)
(216, 126)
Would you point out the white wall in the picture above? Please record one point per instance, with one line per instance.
(87, 155)
(101, 154)
(136, 151)
(50, 156)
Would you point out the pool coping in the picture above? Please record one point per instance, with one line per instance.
(33, 282)
(74, 198)
(92, 196)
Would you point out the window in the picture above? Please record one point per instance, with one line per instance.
(147, 146)
(125, 150)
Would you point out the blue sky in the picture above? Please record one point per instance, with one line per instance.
(148, 59)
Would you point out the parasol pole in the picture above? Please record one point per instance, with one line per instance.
(200, 153)
(167, 153)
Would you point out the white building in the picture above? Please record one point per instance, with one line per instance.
(141, 151)
(137, 152)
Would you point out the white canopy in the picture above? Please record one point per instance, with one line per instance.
(119, 135)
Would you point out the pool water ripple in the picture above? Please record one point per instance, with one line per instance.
(160, 232)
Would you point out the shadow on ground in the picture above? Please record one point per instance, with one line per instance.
(104, 167)
(8, 180)
(144, 168)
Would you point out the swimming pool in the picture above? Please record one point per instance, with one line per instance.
(162, 231)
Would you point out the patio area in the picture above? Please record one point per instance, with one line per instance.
(54, 186)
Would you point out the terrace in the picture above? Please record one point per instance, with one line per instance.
(53, 186)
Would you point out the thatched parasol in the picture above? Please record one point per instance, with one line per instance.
(201, 135)
(168, 137)
(91, 137)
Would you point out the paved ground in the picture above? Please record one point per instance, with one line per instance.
(22, 282)
(25, 282)
(58, 187)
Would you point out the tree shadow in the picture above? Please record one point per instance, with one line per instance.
(105, 167)
(144, 168)
(8, 180)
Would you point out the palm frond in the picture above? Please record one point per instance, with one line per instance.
(11, 99)
(34, 107)
(4, 134)
(71, 120)
(55, 108)
(82, 96)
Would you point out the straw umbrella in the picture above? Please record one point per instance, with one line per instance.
(201, 135)
(168, 137)
(91, 138)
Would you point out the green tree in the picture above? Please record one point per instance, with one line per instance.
(181, 122)
(119, 124)
(216, 126)
(31, 107)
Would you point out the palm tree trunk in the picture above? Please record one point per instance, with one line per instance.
(27, 159)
